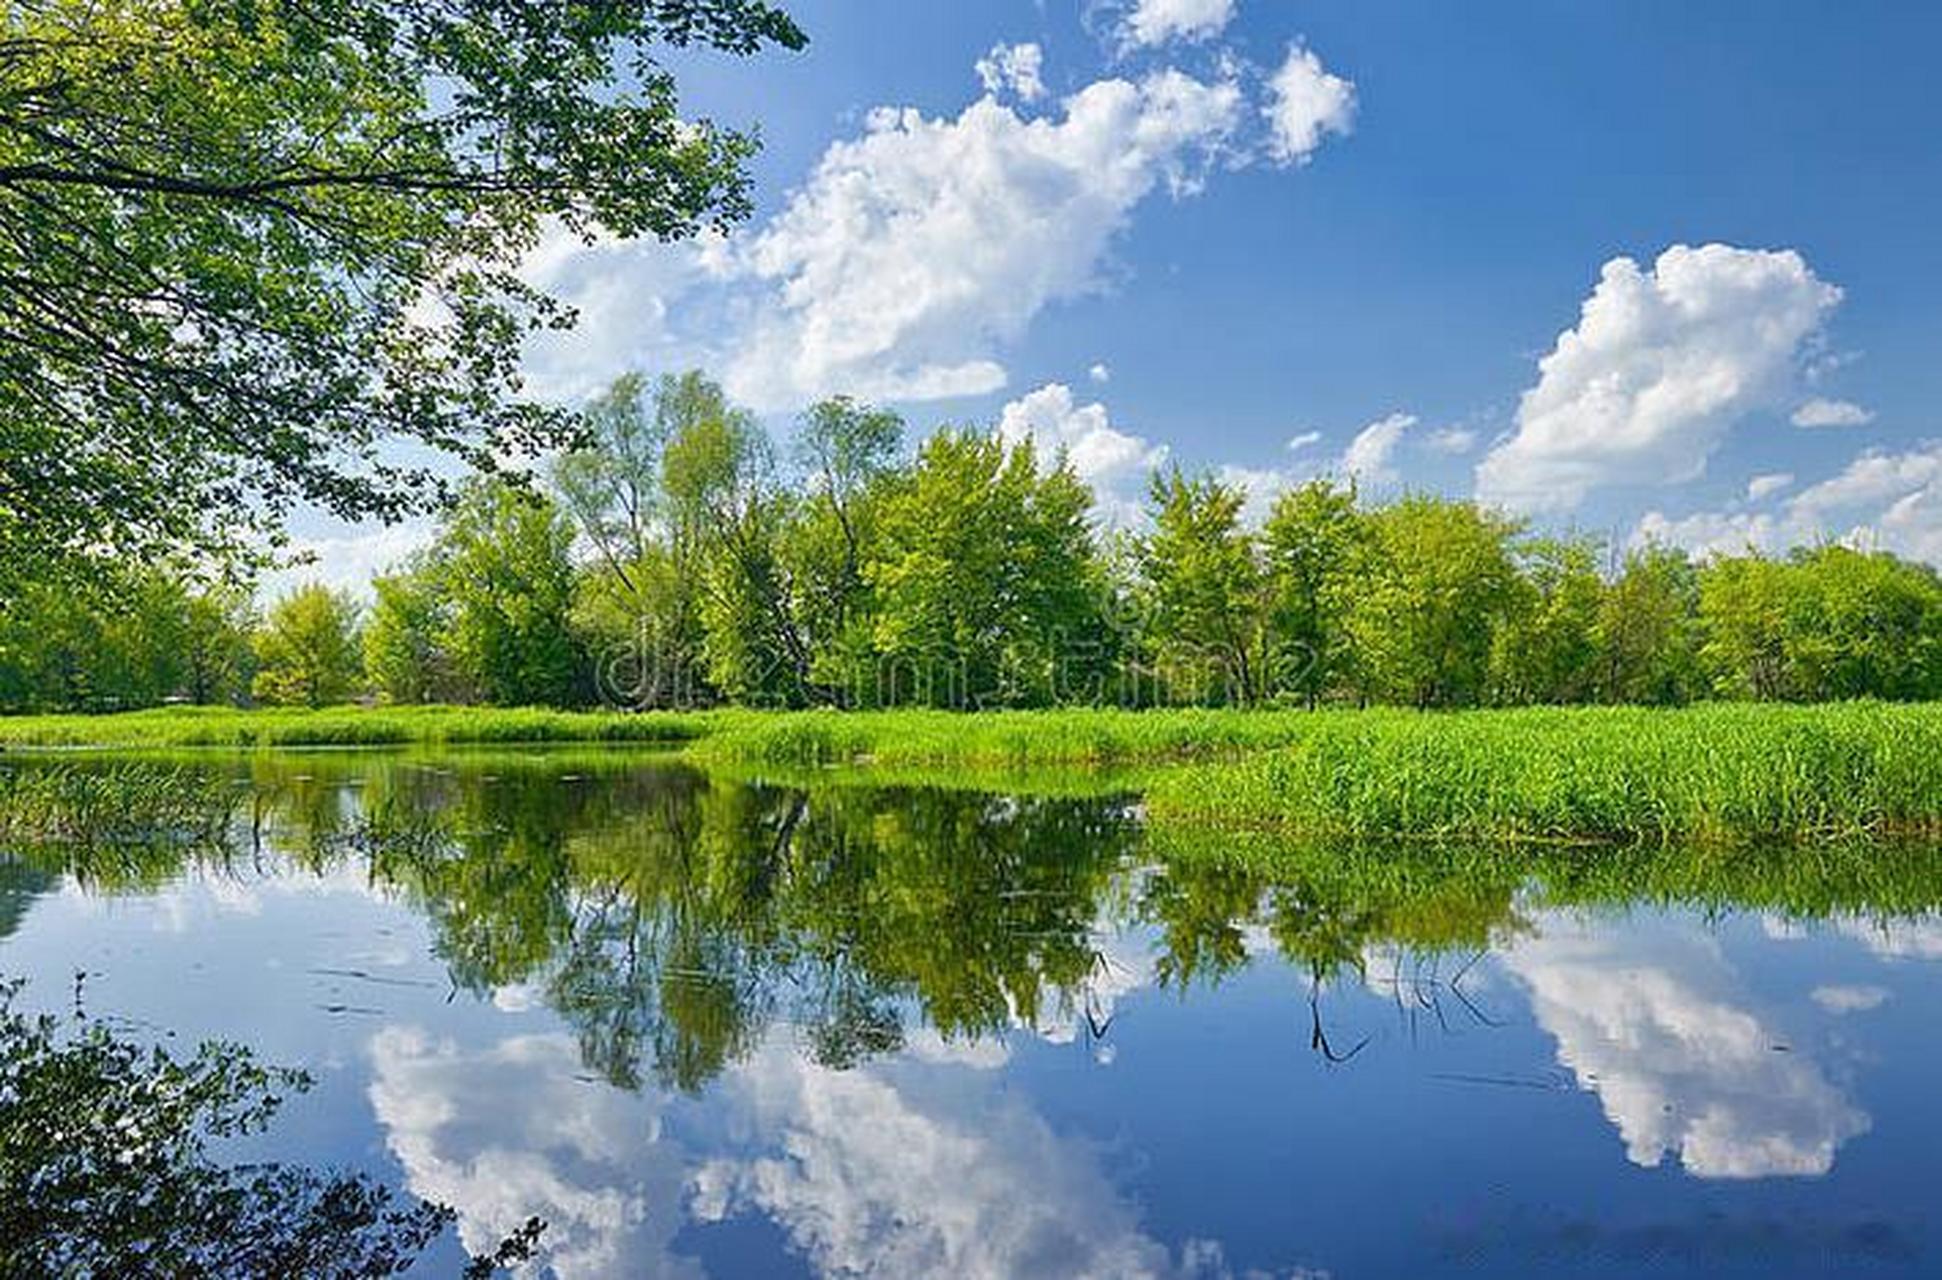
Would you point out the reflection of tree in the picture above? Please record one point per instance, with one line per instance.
(104, 1168)
(672, 918)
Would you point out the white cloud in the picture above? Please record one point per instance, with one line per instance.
(1157, 21)
(1114, 463)
(1297, 443)
(1013, 68)
(1306, 102)
(913, 252)
(1880, 500)
(347, 557)
(1765, 486)
(1849, 999)
(1100, 373)
(1660, 366)
(1452, 440)
(1832, 413)
(1653, 1020)
(1367, 460)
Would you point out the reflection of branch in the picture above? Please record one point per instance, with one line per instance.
(1318, 1038)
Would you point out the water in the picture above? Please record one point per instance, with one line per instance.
(703, 1027)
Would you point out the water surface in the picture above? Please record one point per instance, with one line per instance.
(715, 1027)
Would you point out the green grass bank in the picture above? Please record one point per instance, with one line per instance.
(1726, 771)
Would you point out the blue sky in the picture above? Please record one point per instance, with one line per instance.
(1197, 230)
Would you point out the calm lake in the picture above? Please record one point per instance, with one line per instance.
(714, 1027)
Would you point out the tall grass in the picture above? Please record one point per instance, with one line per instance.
(344, 726)
(1701, 773)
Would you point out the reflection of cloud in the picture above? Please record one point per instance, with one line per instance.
(928, 1165)
(1909, 938)
(889, 1174)
(512, 1131)
(1652, 1020)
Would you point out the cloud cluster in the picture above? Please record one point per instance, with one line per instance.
(1015, 69)
(1820, 412)
(914, 253)
(1305, 103)
(1114, 463)
(1155, 22)
(1890, 500)
(1663, 361)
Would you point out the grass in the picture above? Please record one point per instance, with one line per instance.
(1726, 771)
(342, 727)
(1722, 772)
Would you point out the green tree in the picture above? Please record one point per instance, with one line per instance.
(1743, 607)
(307, 652)
(504, 556)
(1436, 581)
(247, 242)
(1312, 541)
(1204, 585)
(1547, 648)
(986, 580)
(847, 450)
(406, 639)
(1649, 631)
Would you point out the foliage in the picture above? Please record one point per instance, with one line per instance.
(307, 652)
(504, 562)
(251, 245)
(105, 1168)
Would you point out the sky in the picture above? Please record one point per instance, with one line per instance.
(1641, 269)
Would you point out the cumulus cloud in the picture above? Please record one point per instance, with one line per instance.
(1832, 413)
(1100, 373)
(1015, 69)
(1652, 1019)
(1305, 103)
(1663, 361)
(1765, 486)
(1153, 22)
(346, 557)
(1883, 499)
(1302, 440)
(1114, 463)
(1368, 459)
(913, 252)
(1452, 440)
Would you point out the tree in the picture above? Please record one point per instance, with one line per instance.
(1311, 542)
(1547, 649)
(406, 639)
(246, 243)
(727, 516)
(1436, 581)
(307, 652)
(1743, 603)
(1204, 585)
(1648, 630)
(986, 582)
(505, 561)
(847, 451)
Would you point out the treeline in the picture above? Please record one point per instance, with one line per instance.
(679, 558)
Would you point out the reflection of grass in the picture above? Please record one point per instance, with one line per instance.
(125, 805)
(1701, 773)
